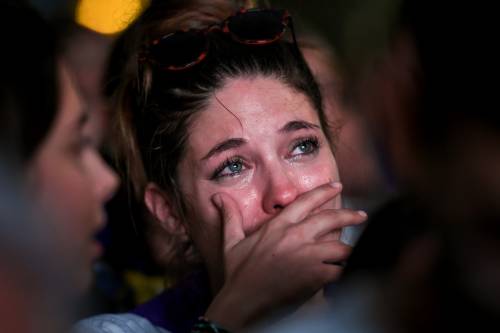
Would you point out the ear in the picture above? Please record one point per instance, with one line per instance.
(160, 206)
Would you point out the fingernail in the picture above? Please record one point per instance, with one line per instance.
(335, 184)
(362, 213)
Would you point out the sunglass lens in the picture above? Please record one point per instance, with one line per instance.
(259, 26)
(179, 50)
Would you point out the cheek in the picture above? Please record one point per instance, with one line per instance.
(65, 199)
(67, 196)
(73, 196)
(323, 171)
(201, 210)
(250, 202)
(317, 175)
(205, 220)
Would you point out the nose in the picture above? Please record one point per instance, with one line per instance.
(106, 181)
(280, 191)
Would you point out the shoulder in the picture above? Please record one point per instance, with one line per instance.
(116, 323)
(177, 308)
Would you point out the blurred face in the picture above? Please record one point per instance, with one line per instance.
(71, 183)
(357, 162)
(260, 142)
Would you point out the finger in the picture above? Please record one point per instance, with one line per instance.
(327, 221)
(308, 201)
(331, 252)
(232, 221)
(329, 272)
(326, 261)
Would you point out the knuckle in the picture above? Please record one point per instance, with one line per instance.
(293, 234)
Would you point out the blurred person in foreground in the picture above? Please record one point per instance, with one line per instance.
(85, 52)
(29, 299)
(365, 186)
(49, 138)
(427, 262)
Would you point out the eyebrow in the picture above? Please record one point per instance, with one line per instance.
(296, 125)
(238, 142)
(225, 145)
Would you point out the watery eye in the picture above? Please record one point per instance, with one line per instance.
(231, 167)
(305, 147)
(235, 167)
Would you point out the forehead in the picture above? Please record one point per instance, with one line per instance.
(252, 106)
(71, 105)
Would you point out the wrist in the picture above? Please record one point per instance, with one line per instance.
(204, 325)
(231, 310)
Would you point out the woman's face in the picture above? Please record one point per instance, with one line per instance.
(260, 142)
(70, 181)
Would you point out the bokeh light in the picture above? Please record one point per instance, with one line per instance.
(108, 16)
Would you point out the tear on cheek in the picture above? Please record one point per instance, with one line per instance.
(309, 182)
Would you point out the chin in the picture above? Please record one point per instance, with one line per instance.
(84, 281)
(81, 277)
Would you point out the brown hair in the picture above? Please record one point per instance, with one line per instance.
(155, 107)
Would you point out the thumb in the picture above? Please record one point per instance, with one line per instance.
(232, 221)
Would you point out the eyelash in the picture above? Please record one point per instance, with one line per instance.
(314, 141)
(225, 164)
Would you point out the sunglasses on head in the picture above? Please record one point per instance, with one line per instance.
(184, 49)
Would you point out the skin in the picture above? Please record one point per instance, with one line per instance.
(71, 183)
(272, 211)
(274, 171)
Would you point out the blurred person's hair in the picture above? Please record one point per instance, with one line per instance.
(85, 52)
(28, 83)
(154, 107)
